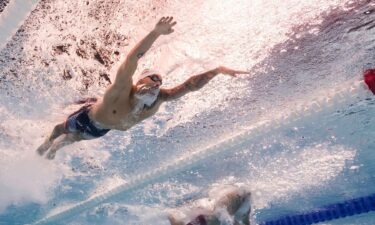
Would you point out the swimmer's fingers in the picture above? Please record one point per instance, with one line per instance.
(237, 72)
(227, 71)
(165, 25)
(171, 23)
(169, 19)
(161, 20)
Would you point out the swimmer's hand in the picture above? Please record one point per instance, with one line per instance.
(230, 72)
(164, 26)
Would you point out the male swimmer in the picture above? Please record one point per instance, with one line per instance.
(125, 104)
(232, 208)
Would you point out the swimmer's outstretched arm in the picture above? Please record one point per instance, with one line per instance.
(127, 69)
(196, 82)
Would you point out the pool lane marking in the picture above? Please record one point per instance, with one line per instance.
(13, 16)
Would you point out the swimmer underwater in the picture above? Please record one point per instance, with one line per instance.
(125, 104)
(233, 207)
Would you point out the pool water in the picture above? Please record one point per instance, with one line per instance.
(295, 156)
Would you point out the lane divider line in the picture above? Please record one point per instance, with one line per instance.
(13, 16)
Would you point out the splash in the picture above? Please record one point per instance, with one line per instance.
(26, 178)
(295, 173)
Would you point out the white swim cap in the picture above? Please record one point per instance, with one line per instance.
(146, 73)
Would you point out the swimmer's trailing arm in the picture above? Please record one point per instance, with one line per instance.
(196, 82)
(127, 69)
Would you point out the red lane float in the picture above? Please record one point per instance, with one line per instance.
(369, 77)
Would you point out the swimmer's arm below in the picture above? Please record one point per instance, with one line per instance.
(195, 83)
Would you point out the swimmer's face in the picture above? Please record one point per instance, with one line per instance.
(148, 87)
(152, 81)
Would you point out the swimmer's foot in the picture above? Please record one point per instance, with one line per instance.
(44, 147)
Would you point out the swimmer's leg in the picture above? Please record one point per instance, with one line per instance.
(57, 131)
(64, 140)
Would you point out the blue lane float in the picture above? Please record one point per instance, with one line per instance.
(329, 212)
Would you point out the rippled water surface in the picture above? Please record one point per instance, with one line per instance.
(296, 51)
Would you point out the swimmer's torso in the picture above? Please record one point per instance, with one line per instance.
(120, 111)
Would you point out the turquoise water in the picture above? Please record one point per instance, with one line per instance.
(297, 52)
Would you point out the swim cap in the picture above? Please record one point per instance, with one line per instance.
(369, 77)
(146, 73)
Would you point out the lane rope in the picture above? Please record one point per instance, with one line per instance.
(335, 211)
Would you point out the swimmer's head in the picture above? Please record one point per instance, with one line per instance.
(150, 78)
(148, 87)
(234, 199)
